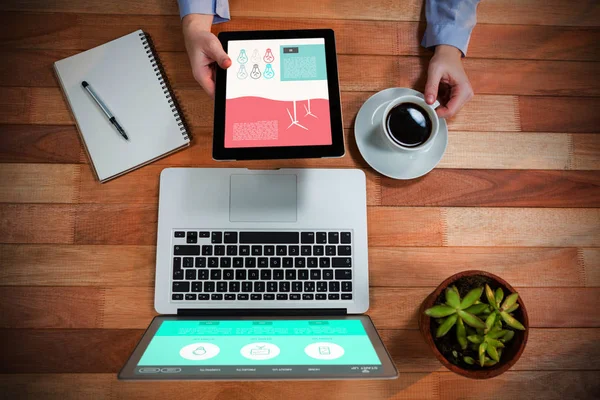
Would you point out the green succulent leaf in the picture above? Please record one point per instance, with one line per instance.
(461, 333)
(482, 348)
(499, 295)
(446, 326)
(497, 334)
(471, 298)
(455, 353)
(513, 308)
(489, 322)
(474, 339)
(494, 342)
(489, 363)
(440, 311)
(490, 296)
(510, 301)
(452, 297)
(469, 360)
(509, 335)
(471, 320)
(511, 321)
(475, 309)
(492, 352)
(498, 324)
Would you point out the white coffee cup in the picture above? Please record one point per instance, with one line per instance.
(429, 109)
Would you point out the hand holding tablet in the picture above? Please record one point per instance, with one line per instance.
(280, 98)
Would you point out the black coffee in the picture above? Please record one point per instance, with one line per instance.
(408, 125)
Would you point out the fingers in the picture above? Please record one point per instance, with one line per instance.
(214, 51)
(459, 96)
(204, 76)
(434, 76)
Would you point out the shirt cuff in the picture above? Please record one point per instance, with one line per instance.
(450, 34)
(218, 8)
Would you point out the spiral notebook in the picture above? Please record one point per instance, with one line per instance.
(128, 77)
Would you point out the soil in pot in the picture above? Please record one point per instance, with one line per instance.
(447, 344)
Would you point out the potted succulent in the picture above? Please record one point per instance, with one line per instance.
(475, 323)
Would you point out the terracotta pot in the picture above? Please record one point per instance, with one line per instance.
(513, 349)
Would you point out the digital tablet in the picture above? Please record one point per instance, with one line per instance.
(266, 348)
(280, 98)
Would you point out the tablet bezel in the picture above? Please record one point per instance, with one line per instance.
(336, 149)
(388, 369)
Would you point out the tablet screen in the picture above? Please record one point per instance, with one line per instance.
(259, 348)
(277, 94)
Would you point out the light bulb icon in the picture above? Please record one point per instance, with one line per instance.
(200, 351)
(242, 58)
(255, 56)
(269, 73)
(269, 58)
(242, 74)
(255, 73)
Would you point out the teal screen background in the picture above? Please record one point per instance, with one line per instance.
(291, 336)
(295, 66)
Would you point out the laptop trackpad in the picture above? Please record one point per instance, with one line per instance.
(263, 198)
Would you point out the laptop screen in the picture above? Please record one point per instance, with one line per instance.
(259, 349)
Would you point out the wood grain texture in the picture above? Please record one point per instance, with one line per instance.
(586, 151)
(39, 183)
(472, 150)
(531, 12)
(556, 114)
(77, 265)
(105, 386)
(522, 267)
(67, 31)
(591, 258)
(546, 385)
(549, 349)
(30, 223)
(135, 224)
(34, 68)
(47, 106)
(495, 188)
(391, 307)
(21, 105)
(522, 227)
(42, 143)
(103, 266)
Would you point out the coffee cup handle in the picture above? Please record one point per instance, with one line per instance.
(435, 104)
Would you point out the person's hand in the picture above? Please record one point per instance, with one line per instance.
(447, 81)
(204, 50)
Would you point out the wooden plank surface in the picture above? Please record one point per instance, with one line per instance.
(80, 265)
(391, 307)
(34, 68)
(516, 194)
(471, 150)
(532, 12)
(67, 31)
(548, 349)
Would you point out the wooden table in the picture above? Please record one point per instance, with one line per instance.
(517, 194)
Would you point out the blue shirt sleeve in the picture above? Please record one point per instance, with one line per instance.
(218, 8)
(450, 22)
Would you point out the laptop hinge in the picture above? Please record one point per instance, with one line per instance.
(288, 312)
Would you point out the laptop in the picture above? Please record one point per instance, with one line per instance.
(261, 275)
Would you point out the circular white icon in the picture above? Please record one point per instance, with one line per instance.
(260, 351)
(199, 351)
(324, 351)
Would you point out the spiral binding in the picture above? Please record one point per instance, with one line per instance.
(164, 84)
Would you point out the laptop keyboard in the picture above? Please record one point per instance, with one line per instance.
(249, 265)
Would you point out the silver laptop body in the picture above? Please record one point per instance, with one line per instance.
(216, 225)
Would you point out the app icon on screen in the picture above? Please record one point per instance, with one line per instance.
(199, 351)
(324, 351)
(260, 351)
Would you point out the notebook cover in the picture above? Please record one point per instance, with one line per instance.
(126, 74)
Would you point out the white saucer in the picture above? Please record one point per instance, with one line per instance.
(381, 155)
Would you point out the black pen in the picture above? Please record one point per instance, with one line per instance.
(104, 109)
